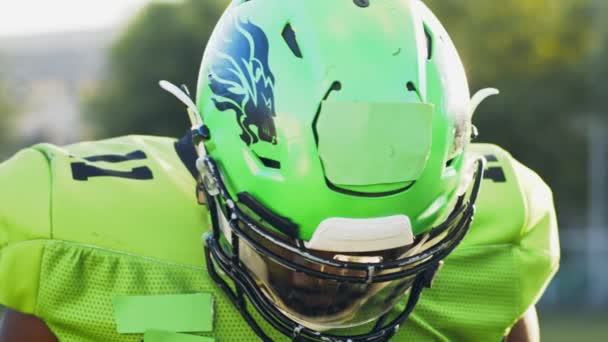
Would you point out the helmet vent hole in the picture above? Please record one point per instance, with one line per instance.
(361, 3)
(336, 86)
(269, 163)
(429, 43)
(411, 86)
(289, 35)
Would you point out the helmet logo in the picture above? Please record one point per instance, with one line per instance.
(241, 80)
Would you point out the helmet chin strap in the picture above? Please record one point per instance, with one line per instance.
(200, 132)
(469, 168)
(193, 114)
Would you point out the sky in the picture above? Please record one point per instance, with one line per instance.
(29, 17)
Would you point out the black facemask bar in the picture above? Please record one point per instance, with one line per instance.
(423, 265)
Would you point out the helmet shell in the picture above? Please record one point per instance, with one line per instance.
(267, 69)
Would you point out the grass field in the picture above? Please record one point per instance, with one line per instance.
(578, 327)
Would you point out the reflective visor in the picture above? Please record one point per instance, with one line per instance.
(321, 304)
(325, 297)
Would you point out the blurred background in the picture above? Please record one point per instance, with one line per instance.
(77, 70)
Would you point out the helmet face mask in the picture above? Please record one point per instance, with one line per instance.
(309, 292)
(315, 237)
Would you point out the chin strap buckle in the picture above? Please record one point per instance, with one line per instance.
(429, 275)
(296, 332)
(207, 179)
(200, 133)
(371, 272)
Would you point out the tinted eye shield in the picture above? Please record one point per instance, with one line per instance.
(452, 230)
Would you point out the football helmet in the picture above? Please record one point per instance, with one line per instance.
(332, 138)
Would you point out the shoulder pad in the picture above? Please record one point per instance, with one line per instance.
(516, 209)
(130, 194)
(504, 263)
(25, 223)
(512, 200)
(24, 199)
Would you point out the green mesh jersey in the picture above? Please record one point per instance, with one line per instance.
(83, 224)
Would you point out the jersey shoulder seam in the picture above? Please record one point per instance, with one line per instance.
(50, 194)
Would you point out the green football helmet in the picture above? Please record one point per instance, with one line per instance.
(332, 138)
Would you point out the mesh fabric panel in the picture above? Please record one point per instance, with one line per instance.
(474, 297)
(79, 283)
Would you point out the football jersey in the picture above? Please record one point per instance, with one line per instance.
(84, 224)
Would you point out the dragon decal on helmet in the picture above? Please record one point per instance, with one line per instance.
(242, 81)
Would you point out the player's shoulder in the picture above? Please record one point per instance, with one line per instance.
(28, 178)
(500, 163)
(507, 258)
(24, 226)
(110, 193)
(100, 212)
(25, 184)
(513, 197)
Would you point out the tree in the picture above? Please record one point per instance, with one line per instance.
(7, 118)
(165, 41)
(538, 54)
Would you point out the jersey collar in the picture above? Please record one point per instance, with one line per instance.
(187, 154)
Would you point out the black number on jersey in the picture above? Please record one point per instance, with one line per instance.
(82, 171)
(494, 173)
